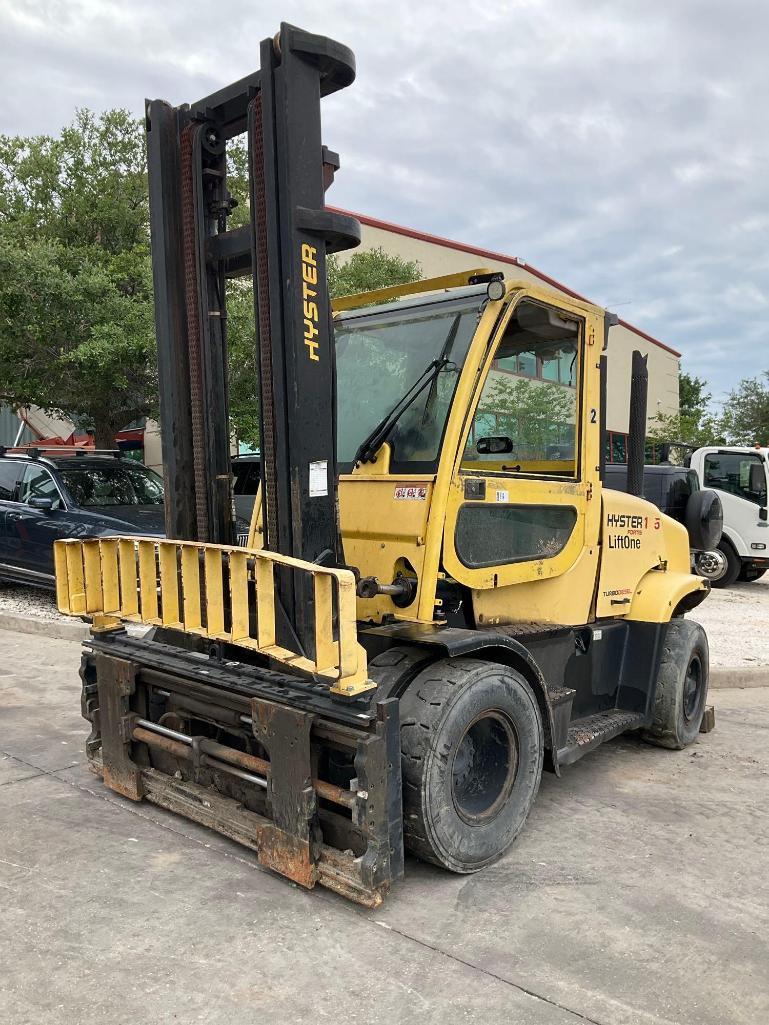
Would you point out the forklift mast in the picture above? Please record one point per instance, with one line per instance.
(284, 250)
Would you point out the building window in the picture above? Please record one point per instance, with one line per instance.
(615, 447)
(557, 365)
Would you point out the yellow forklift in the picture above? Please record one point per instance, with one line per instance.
(438, 597)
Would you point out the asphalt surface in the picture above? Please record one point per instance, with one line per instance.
(637, 895)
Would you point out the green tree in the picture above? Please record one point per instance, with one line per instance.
(693, 398)
(241, 333)
(76, 299)
(241, 351)
(695, 423)
(535, 415)
(76, 313)
(369, 270)
(746, 412)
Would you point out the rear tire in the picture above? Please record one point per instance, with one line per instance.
(472, 748)
(682, 686)
(733, 566)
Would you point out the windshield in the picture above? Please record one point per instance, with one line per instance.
(380, 357)
(113, 484)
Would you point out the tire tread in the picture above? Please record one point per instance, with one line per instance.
(416, 744)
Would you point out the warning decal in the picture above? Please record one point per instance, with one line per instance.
(411, 494)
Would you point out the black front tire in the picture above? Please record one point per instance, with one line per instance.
(472, 749)
(733, 566)
(682, 686)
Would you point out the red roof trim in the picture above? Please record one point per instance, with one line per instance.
(489, 254)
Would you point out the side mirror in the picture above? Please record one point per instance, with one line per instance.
(45, 504)
(493, 446)
(762, 513)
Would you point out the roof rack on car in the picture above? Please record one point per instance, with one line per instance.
(35, 451)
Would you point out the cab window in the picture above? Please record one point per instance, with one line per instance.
(737, 473)
(386, 355)
(38, 483)
(496, 535)
(526, 419)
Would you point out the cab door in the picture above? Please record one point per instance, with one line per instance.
(523, 503)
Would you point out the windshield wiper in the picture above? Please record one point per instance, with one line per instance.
(374, 440)
(448, 345)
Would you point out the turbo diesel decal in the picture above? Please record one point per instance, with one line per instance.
(310, 308)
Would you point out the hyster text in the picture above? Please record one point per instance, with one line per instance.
(309, 294)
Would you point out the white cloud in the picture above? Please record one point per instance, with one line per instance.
(618, 146)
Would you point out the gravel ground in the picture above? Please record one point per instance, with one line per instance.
(736, 620)
(31, 601)
(737, 623)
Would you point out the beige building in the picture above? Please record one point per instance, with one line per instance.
(438, 256)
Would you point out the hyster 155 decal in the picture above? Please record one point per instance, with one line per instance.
(625, 530)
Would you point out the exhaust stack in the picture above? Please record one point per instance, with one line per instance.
(636, 442)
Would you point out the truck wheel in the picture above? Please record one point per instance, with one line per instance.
(748, 573)
(682, 686)
(472, 748)
(733, 566)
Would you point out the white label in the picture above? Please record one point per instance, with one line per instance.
(502, 496)
(597, 635)
(411, 494)
(319, 478)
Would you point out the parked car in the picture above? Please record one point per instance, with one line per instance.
(44, 498)
(246, 473)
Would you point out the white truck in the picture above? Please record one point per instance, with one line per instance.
(740, 476)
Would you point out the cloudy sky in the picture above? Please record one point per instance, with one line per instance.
(621, 147)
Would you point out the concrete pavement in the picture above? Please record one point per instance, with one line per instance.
(638, 895)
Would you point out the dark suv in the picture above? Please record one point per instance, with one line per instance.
(44, 498)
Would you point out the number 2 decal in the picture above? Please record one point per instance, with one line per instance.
(592, 416)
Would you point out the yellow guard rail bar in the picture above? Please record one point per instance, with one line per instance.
(382, 295)
(215, 591)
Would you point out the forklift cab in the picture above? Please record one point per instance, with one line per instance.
(468, 446)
